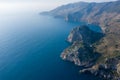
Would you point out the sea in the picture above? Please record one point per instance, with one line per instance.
(30, 48)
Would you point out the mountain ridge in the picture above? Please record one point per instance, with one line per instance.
(88, 12)
(107, 16)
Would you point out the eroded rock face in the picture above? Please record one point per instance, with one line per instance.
(81, 51)
(118, 68)
(96, 13)
(80, 54)
(108, 70)
(84, 34)
(107, 16)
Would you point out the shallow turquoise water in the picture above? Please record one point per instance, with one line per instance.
(30, 48)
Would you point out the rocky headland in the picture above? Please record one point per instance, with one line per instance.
(81, 52)
(98, 53)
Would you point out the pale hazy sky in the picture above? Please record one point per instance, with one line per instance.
(36, 5)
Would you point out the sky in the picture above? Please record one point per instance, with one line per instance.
(36, 5)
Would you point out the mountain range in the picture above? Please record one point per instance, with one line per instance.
(100, 57)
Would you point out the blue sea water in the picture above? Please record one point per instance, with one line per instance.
(30, 48)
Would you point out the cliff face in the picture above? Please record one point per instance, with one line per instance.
(101, 54)
(84, 34)
(110, 70)
(103, 14)
(81, 51)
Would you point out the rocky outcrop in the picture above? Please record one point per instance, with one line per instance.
(84, 34)
(80, 54)
(81, 51)
(96, 13)
(108, 70)
(101, 54)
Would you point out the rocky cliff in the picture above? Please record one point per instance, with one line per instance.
(81, 52)
(98, 53)
(103, 14)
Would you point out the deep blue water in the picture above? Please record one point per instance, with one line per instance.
(30, 48)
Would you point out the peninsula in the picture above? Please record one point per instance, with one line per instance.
(98, 53)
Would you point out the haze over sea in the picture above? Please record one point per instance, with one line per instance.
(30, 48)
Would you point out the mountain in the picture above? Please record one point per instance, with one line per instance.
(81, 51)
(102, 57)
(97, 13)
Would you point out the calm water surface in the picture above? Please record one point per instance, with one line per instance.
(30, 48)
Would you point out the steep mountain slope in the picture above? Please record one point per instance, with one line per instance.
(97, 13)
(107, 16)
(81, 52)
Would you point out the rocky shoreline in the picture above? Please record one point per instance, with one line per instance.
(82, 53)
(99, 53)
